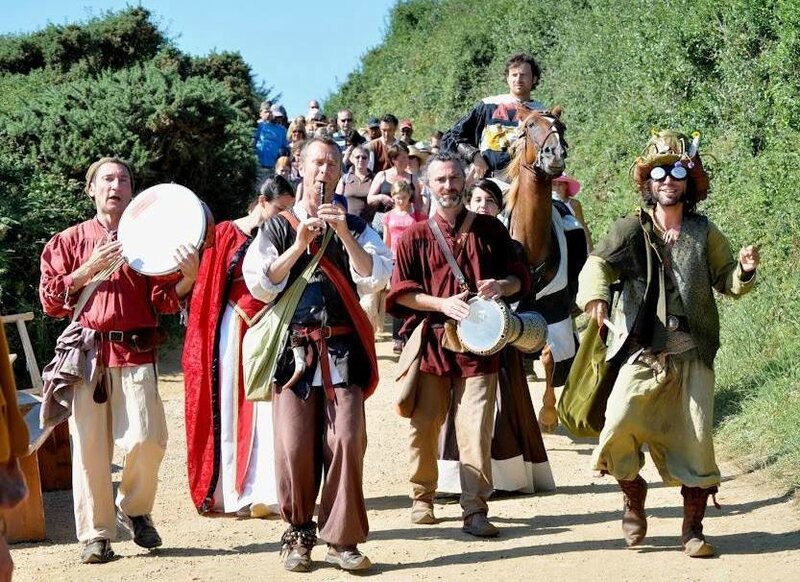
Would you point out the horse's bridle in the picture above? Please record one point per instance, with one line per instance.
(540, 145)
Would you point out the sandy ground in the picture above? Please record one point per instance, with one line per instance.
(573, 533)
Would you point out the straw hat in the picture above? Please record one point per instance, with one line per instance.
(420, 151)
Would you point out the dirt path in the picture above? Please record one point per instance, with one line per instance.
(573, 533)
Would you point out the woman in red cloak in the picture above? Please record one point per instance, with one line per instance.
(228, 438)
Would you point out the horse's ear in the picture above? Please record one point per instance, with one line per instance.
(557, 111)
(524, 113)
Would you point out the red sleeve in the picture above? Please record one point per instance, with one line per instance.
(405, 276)
(163, 295)
(57, 264)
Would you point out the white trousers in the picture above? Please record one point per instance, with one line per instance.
(132, 418)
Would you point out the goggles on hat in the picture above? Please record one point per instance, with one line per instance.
(660, 173)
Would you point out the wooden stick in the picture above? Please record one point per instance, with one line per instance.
(14, 317)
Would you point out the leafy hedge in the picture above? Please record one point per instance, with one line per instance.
(729, 69)
(113, 86)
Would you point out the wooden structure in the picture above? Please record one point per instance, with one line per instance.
(47, 466)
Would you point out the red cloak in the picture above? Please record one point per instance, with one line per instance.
(218, 282)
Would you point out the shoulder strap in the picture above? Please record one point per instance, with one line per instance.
(450, 255)
(83, 298)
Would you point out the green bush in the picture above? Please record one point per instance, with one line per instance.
(114, 86)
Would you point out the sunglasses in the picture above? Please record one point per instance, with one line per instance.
(660, 173)
(346, 119)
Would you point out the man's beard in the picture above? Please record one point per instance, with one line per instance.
(667, 201)
(450, 200)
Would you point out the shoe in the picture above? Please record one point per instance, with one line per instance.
(422, 513)
(397, 346)
(97, 551)
(296, 546)
(634, 520)
(298, 559)
(347, 558)
(141, 528)
(479, 525)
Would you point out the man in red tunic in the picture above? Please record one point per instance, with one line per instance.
(424, 287)
(124, 409)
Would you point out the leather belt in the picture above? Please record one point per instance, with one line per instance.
(302, 336)
(143, 339)
(119, 337)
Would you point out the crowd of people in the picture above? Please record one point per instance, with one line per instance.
(345, 224)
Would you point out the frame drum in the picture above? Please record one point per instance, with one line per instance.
(157, 222)
(486, 329)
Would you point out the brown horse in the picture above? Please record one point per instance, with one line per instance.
(540, 156)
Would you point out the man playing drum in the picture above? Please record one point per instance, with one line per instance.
(123, 408)
(318, 413)
(424, 287)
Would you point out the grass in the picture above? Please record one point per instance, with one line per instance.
(758, 382)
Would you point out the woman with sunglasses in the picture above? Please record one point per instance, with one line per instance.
(356, 183)
(668, 259)
(296, 132)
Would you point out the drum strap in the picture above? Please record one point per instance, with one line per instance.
(450, 255)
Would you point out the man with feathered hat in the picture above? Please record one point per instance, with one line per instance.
(664, 333)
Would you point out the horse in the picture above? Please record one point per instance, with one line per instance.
(539, 157)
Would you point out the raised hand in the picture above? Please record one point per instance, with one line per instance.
(480, 166)
(103, 256)
(309, 229)
(749, 258)
(188, 259)
(334, 215)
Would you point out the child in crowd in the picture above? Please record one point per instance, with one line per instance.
(395, 222)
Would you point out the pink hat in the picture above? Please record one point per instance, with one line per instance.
(406, 123)
(573, 186)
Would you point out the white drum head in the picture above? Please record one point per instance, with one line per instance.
(482, 330)
(156, 223)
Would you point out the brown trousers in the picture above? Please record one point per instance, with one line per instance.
(316, 434)
(474, 400)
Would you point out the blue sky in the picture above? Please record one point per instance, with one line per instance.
(304, 49)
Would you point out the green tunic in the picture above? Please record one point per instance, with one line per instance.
(664, 394)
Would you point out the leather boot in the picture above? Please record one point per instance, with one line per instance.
(695, 500)
(634, 521)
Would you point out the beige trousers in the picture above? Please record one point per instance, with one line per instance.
(474, 418)
(672, 412)
(132, 418)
